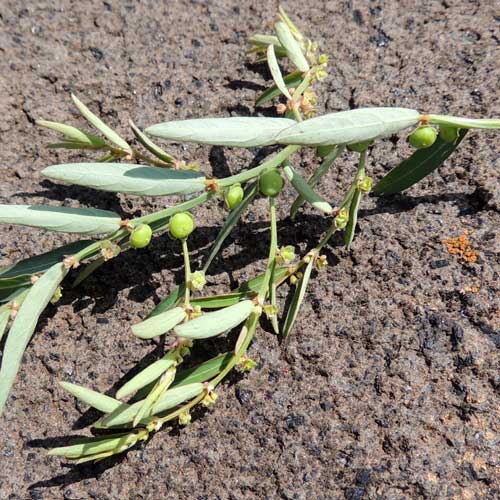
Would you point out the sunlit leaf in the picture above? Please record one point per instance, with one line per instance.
(72, 134)
(458, 122)
(91, 446)
(291, 46)
(276, 72)
(4, 319)
(99, 401)
(159, 324)
(150, 145)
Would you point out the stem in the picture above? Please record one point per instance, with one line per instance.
(187, 271)
(272, 252)
(254, 172)
(359, 175)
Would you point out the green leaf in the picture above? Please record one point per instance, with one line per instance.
(291, 80)
(24, 325)
(349, 127)
(126, 413)
(353, 218)
(417, 166)
(291, 46)
(141, 180)
(218, 301)
(145, 377)
(72, 134)
(40, 263)
(232, 219)
(61, 219)
(150, 145)
(455, 121)
(306, 191)
(99, 401)
(298, 298)
(4, 319)
(203, 372)
(264, 40)
(91, 446)
(238, 131)
(215, 323)
(170, 301)
(276, 72)
(70, 145)
(100, 125)
(318, 174)
(159, 324)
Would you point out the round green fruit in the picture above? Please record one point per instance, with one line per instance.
(234, 196)
(423, 137)
(447, 133)
(181, 225)
(271, 183)
(359, 147)
(140, 236)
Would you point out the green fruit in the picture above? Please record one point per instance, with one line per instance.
(271, 183)
(423, 137)
(141, 236)
(234, 196)
(181, 225)
(359, 147)
(447, 133)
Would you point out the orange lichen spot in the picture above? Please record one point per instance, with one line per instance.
(461, 246)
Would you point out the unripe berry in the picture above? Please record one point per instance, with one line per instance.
(271, 183)
(423, 137)
(141, 236)
(234, 196)
(447, 133)
(359, 147)
(181, 225)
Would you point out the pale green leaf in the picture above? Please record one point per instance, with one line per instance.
(4, 319)
(150, 145)
(159, 324)
(276, 72)
(99, 401)
(242, 132)
(24, 325)
(203, 372)
(100, 125)
(91, 446)
(73, 134)
(458, 122)
(349, 127)
(61, 219)
(306, 191)
(264, 40)
(215, 323)
(141, 180)
(291, 46)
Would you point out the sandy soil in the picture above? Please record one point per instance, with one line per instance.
(389, 388)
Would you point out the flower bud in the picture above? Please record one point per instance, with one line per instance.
(342, 219)
(285, 254)
(197, 281)
(184, 417)
(365, 184)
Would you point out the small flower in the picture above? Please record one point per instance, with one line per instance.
(197, 281)
(109, 250)
(286, 254)
(70, 262)
(246, 364)
(342, 218)
(321, 262)
(194, 312)
(365, 184)
(57, 295)
(209, 399)
(184, 417)
(270, 310)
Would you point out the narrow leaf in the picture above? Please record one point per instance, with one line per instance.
(150, 145)
(255, 284)
(417, 166)
(70, 145)
(4, 319)
(203, 372)
(73, 134)
(297, 300)
(318, 174)
(238, 131)
(24, 325)
(291, 80)
(306, 191)
(141, 180)
(215, 323)
(159, 323)
(91, 446)
(100, 125)
(349, 127)
(232, 219)
(264, 40)
(99, 401)
(353, 219)
(145, 377)
(42, 262)
(218, 301)
(61, 219)
(276, 72)
(291, 46)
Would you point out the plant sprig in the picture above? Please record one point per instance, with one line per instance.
(163, 392)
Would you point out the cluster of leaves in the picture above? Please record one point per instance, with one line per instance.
(162, 391)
